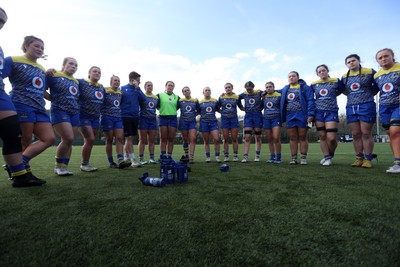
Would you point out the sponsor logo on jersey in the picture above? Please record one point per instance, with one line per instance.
(323, 92)
(208, 109)
(116, 103)
(270, 105)
(252, 101)
(99, 95)
(355, 87)
(188, 108)
(37, 82)
(290, 96)
(151, 105)
(387, 87)
(73, 90)
(228, 106)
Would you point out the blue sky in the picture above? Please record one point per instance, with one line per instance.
(205, 43)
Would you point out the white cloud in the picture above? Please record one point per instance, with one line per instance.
(291, 59)
(262, 55)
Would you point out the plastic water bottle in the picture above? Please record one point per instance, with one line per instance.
(151, 181)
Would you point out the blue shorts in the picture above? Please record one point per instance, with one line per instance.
(5, 102)
(272, 123)
(186, 125)
(87, 120)
(30, 114)
(296, 119)
(59, 116)
(326, 116)
(387, 113)
(253, 120)
(364, 112)
(169, 121)
(147, 123)
(110, 123)
(206, 127)
(229, 123)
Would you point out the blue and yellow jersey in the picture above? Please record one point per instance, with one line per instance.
(28, 80)
(388, 82)
(189, 108)
(112, 103)
(91, 97)
(359, 86)
(229, 105)
(271, 103)
(207, 109)
(326, 92)
(1, 70)
(252, 102)
(148, 108)
(292, 100)
(64, 91)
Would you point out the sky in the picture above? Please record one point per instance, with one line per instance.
(207, 42)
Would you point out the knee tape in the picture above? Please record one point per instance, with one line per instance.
(10, 133)
(321, 128)
(257, 132)
(248, 132)
(395, 123)
(332, 130)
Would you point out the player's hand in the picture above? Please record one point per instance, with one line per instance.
(51, 72)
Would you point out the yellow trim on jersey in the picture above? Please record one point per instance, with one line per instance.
(188, 100)
(62, 74)
(152, 96)
(95, 84)
(396, 67)
(24, 59)
(232, 96)
(295, 86)
(273, 94)
(208, 100)
(355, 73)
(329, 80)
(255, 91)
(112, 91)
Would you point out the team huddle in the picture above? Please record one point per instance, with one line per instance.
(126, 111)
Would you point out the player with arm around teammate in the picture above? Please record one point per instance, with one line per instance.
(388, 81)
(229, 103)
(64, 111)
(111, 123)
(360, 89)
(297, 110)
(209, 123)
(326, 90)
(148, 123)
(272, 122)
(10, 132)
(187, 122)
(253, 119)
